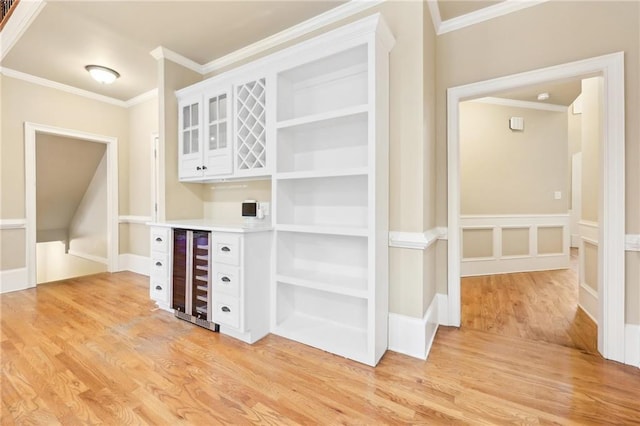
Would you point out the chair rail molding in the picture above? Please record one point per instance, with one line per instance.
(417, 240)
(13, 224)
(632, 242)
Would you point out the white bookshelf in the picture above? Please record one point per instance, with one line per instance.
(330, 193)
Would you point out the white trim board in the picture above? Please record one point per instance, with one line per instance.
(138, 220)
(611, 267)
(8, 72)
(13, 280)
(416, 240)
(13, 223)
(414, 336)
(632, 242)
(490, 100)
(31, 130)
(632, 344)
(134, 263)
(481, 15)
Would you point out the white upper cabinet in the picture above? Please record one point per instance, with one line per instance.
(190, 138)
(218, 158)
(205, 135)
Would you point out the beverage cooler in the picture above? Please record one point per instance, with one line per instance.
(191, 283)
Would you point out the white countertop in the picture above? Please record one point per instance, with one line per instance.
(209, 225)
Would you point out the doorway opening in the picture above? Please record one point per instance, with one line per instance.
(610, 233)
(105, 172)
(522, 219)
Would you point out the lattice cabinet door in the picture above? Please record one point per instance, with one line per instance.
(250, 128)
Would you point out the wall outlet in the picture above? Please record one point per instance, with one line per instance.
(557, 195)
(265, 208)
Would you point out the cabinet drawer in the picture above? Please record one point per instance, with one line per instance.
(226, 310)
(160, 240)
(226, 280)
(226, 249)
(158, 290)
(159, 265)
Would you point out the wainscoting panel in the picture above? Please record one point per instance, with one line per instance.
(518, 243)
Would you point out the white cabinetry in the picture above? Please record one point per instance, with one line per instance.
(331, 196)
(241, 271)
(160, 274)
(205, 149)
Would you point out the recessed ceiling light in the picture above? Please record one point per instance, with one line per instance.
(543, 96)
(102, 74)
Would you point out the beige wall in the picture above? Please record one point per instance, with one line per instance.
(550, 33)
(223, 201)
(182, 200)
(42, 105)
(591, 143)
(143, 122)
(512, 172)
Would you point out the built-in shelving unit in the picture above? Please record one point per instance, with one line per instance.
(330, 197)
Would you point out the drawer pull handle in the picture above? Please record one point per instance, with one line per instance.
(158, 239)
(158, 263)
(226, 309)
(158, 287)
(225, 279)
(225, 249)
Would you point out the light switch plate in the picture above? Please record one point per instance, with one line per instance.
(557, 195)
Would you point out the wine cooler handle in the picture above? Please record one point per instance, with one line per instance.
(226, 309)
(225, 279)
(225, 248)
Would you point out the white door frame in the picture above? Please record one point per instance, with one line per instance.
(611, 273)
(30, 133)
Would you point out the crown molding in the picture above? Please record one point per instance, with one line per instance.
(8, 72)
(331, 16)
(162, 52)
(24, 14)
(435, 14)
(500, 9)
(521, 104)
(142, 98)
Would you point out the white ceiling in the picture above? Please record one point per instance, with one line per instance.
(67, 35)
(560, 93)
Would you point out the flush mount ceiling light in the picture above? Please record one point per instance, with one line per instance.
(102, 74)
(543, 96)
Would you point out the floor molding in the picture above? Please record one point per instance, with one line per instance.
(632, 344)
(134, 263)
(414, 336)
(90, 257)
(13, 280)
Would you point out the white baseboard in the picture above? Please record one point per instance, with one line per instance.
(414, 336)
(13, 280)
(134, 263)
(88, 256)
(632, 345)
(473, 267)
(588, 301)
(443, 309)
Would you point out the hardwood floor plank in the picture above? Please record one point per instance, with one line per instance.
(68, 360)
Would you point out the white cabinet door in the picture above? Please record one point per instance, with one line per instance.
(190, 138)
(250, 128)
(217, 157)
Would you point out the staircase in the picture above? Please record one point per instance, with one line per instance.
(6, 8)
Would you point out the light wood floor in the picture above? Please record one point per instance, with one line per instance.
(540, 306)
(94, 350)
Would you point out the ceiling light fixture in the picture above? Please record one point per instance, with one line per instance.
(102, 74)
(543, 96)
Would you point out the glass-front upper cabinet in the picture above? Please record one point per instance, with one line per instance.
(190, 138)
(218, 158)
